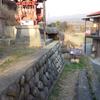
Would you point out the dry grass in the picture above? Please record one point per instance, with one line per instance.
(17, 54)
(73, 41)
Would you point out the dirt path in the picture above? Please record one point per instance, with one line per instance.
(65, 89)
(69, 85)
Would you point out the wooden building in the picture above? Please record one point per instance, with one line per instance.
(95, 33)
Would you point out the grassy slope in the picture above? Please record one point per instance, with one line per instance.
(63, 84)
(64, 89)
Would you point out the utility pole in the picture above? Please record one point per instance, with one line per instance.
(85, 37)
(0, 2)
(44, 21)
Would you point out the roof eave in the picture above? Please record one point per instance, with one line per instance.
(94, 16)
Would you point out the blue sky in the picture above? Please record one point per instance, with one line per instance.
(70, 7)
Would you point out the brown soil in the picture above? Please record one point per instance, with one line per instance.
(67, 87)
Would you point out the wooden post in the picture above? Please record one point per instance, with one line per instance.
(85, 45)
(85, 26)
(44, 22)
(0, 2)
(85, 38)
(97, 49)
(98, 27)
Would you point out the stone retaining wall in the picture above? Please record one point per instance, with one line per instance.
(96, 67)
(2, 24)
(34, 77)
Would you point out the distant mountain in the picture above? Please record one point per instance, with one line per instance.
(68, 18)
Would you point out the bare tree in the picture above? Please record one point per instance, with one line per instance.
(65, 27)
(71, 29)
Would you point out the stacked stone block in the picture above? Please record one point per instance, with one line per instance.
(37, 81)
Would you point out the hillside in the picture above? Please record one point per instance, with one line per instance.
(68, 18)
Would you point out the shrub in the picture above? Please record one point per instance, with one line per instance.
(65, 27)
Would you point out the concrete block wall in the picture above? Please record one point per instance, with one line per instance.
(2, 24)
(34, 77)
(96, 67)
(10, 30)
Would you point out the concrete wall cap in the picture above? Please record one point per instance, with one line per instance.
(27, 26)
(51, 30)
